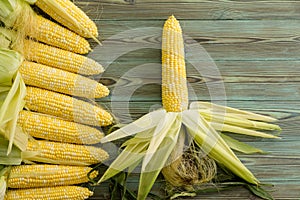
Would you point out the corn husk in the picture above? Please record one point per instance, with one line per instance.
(13, 158)
(2, 187)
(12, 93)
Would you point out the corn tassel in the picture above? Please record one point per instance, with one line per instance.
(55, 129)
(50, 193)
(66, 107)
(80, 23)
(63, 153)
(62, 59)
(61, 81)
(44, 175)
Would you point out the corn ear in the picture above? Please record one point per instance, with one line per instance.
(61, 81)
(69, 15)
(174, 84)
(66, 107)
(44, 175)
(63, 153)
(55, 129)
(50, 193)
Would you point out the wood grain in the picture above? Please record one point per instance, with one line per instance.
(191, 9)
(249, 49)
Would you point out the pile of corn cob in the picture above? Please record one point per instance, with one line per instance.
(60, 129)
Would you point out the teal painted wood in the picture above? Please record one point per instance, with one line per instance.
(255, 46)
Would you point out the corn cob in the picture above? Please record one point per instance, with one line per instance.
(63, 153)
(62, 59)
(174, 85)
(50, 193)
(66, 107)
(55, 129)
(61, 81)
(44, 175)
(53, 34)
(81, 23)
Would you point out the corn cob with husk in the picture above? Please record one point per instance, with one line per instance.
(63, 153)
(12, 93)
(160, 135)
(17, 14)
(66, 107)
(58, 80)
(50, 193)
(55, 129)
(68, 14)
(50, 56)
(45, 175)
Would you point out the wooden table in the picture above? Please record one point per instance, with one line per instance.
(254, 44)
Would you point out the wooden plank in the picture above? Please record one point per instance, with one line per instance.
(204, 10)
(222, 41)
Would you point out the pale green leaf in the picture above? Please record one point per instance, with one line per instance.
(128, 157)
(6, 8)
(151, 170)
(2, 187)
(144, 123)
(13, 158)
(240, 146)
(170, 121)
(232, 119)
(224, 109)
(240, 130)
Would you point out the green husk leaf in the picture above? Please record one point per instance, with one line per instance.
(6, 8)
(240, 130)
(144, 123)
(153, 163)
(240, 146)
(210, 142)
(5, 37)
(260, 192)
(2, 187)
(224, 109)
(128, 157)
(160, 133)
(234, 120)
(13, 158)
(13, 100)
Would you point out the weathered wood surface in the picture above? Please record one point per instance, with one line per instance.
(254, 45)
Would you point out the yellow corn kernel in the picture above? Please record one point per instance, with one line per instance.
(61, 81)
(66, 107)
(174, 84)
(50, 193)
(45, 175)
(55, 129)
(53, 34)
(71, 9)
(62, 59)
(64, 153)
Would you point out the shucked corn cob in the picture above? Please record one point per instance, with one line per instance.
(81, 25)
(53, 34)
(64, 153)
(61, 81)
(174, 87)
(55, 129)
(45, 175)
(66, 107)
(50, 193)
(62, 59)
